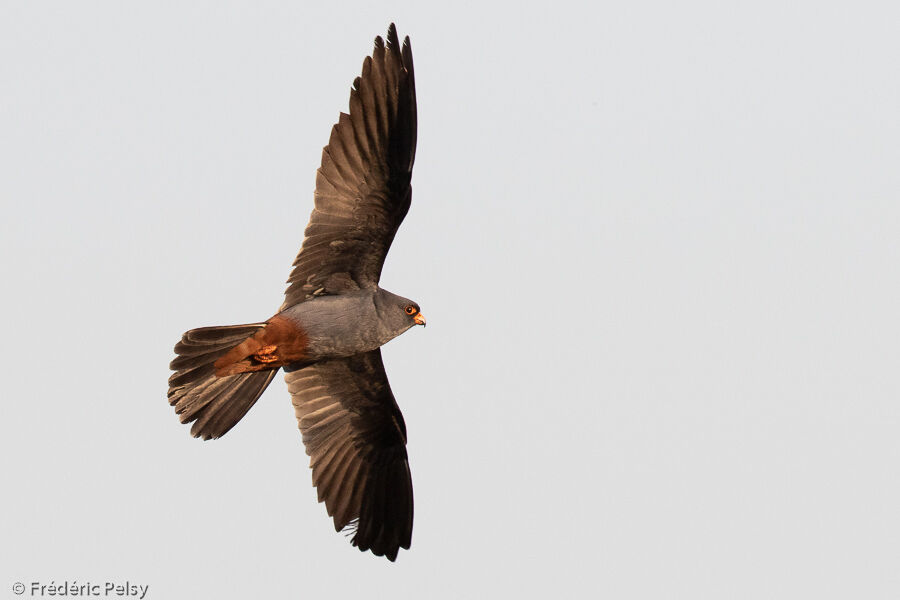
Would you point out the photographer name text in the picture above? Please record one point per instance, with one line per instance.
(122, 589)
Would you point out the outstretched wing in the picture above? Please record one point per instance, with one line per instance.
(363, 186)
(356, 439)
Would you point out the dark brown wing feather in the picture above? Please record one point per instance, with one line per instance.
(363, 185)
(356, 439)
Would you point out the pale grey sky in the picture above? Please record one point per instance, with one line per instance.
(656, 243)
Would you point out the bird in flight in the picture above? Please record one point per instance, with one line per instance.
(328, 332)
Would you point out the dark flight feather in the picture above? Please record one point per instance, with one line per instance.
(356, 439)
(363, 184)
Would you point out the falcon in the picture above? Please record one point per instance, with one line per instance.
(328, 332)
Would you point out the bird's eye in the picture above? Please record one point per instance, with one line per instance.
(410, 310)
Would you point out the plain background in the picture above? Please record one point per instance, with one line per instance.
(656, 243)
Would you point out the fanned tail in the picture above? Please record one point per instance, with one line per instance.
(214, 403)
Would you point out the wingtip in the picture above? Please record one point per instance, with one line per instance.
(392, 40)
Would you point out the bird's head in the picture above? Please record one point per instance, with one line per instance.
(398, 313)
(412, 312)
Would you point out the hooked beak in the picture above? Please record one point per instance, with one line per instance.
(420, 320)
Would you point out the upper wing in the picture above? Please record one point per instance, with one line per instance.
(362, 187)
(356, 439)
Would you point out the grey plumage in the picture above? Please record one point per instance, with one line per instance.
(348, 324)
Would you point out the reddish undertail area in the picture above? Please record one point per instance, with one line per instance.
(279, 343)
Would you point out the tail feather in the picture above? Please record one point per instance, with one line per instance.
(216, 404)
